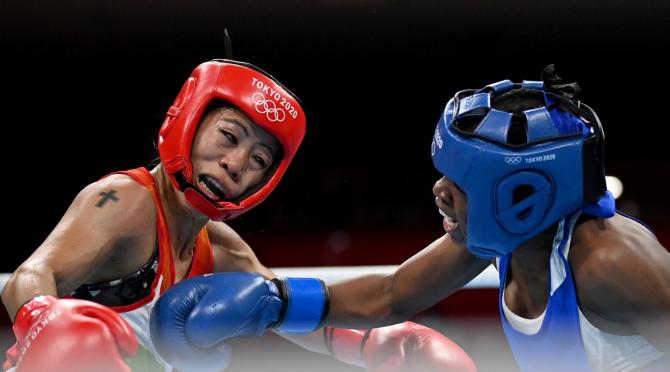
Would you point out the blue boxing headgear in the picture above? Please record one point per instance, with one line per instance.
(559, 169)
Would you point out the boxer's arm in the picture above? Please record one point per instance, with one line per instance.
(83, 240)
(420, 282)
(375, 300)
(371, 300)
(232, 253)
(630, 286)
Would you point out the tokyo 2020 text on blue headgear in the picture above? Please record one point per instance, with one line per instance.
(559, 169)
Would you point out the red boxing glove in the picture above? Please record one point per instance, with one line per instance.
(70, 335)
(402, 347)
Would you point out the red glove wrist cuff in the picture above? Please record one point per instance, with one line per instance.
(28, 312)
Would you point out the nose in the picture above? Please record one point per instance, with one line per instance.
(442, 193)
(439, 187)
(235, 162)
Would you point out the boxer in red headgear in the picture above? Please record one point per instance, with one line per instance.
(224, 145)
(260, 99)
(226, 142)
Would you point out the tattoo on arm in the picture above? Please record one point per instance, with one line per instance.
(105, 196)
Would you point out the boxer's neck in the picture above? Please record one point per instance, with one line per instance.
(526, 288)
(531, 259)
(183, 221)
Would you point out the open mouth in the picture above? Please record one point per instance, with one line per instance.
(450, 224)
(212, 187)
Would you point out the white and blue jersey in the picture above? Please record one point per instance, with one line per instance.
(562, 339)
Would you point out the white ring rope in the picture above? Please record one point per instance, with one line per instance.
(333, 274)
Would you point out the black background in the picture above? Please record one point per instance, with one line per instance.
(86, 86)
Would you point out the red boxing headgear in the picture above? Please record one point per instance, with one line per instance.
(249, 89)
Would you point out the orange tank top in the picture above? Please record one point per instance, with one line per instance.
(203, 256)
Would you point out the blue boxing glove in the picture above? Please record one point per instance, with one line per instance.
(191, 321)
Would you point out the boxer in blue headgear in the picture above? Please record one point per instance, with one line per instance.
(520, 185)
(582, 287)
(524, 182)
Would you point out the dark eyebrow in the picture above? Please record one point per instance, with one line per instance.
(246, 132)
(270, 150)
(239, 123)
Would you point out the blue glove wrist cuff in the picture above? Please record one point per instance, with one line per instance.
(306, 303)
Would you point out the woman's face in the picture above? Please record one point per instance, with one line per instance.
(452, 204)
(231, 155)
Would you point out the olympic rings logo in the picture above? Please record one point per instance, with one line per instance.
(267, 107)
(512, 160)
